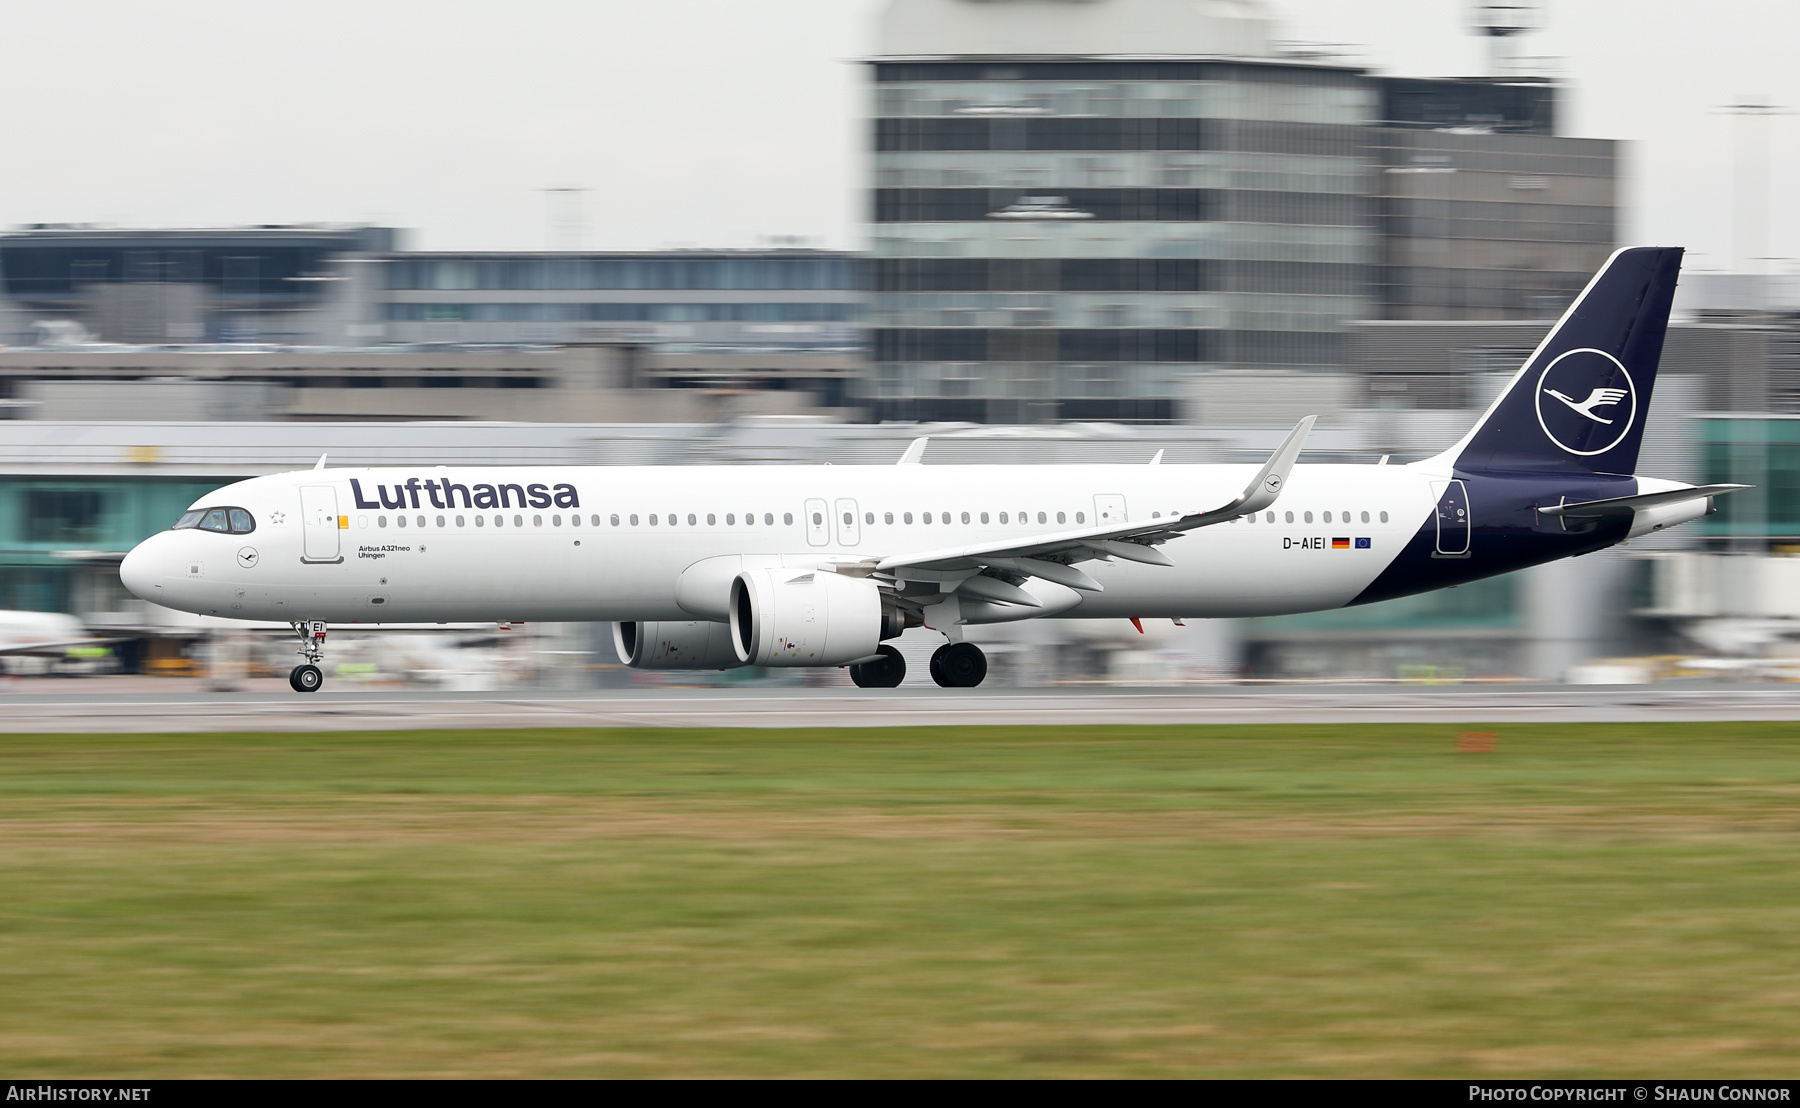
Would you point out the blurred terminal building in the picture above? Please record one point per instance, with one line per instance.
(1097, 228)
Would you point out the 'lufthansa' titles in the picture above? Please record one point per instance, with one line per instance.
(445, 493)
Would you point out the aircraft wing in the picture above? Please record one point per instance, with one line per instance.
(1051, 557)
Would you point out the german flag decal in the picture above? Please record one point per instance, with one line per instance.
(1340, 544)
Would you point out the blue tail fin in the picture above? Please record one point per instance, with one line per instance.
(1578, 404)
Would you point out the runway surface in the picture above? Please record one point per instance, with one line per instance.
(142, 710)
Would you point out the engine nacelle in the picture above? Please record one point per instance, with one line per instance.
(670, 644)
(788, 617)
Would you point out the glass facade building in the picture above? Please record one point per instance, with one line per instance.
(699, 301)
(1070, 239)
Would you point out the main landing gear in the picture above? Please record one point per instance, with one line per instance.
(958, 665)
(307, 677)
(885, 674)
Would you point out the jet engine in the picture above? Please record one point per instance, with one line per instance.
(672, 644)
(787, 617)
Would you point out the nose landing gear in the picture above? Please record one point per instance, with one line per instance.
(307, 677)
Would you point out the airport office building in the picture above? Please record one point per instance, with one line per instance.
(1079, 208)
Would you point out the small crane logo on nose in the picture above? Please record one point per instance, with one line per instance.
(247, 557)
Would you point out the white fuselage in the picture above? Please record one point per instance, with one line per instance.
(620, 539)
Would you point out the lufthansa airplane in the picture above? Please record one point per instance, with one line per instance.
(711, 567)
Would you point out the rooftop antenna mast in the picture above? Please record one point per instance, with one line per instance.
(1501, 22)
(565, 228)
(1750, 205)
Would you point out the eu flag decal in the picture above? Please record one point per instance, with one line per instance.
(1340, 544)
(1362, 544)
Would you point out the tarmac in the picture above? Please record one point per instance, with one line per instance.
(122, 705)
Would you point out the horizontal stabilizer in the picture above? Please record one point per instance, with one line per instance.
(1621, 505)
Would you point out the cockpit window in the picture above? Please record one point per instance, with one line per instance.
(226, 521)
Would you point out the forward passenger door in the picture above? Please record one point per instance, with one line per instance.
(319, 524)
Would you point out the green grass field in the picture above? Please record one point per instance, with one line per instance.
(1329, 901)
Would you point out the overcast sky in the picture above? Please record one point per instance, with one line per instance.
(704, 122)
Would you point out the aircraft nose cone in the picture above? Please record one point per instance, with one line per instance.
(138, 571)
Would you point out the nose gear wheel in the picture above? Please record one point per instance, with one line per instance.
(308, 677)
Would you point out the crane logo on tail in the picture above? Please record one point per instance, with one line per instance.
(1605, 411)
(1599, 398)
